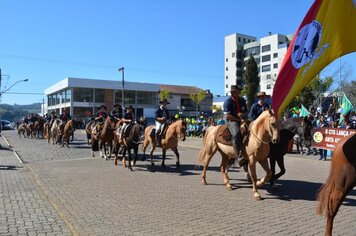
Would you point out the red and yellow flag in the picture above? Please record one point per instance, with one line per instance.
(327, 32)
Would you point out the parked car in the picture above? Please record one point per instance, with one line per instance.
(6, 125)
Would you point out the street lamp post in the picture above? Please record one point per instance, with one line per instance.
(122, 69)
(6, 90)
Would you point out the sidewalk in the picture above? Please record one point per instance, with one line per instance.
(24, 210)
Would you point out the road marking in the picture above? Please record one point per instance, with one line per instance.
(8, 144)
(18, 157)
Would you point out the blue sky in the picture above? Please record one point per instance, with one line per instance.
(170, 42)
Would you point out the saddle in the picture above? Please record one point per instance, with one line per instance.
(223, 135)
(162, 135)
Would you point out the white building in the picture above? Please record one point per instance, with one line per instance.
(234, 59)
(268, 52)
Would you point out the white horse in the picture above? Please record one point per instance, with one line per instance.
(54, 133)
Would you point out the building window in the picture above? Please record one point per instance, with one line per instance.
(266, 48)
(239, 39)
(269, 86)
(266, 68)
(226, 77)
(227, 68)
(68, 95)
(268, 76)
(249, 40)
(275, 65)
(252, 51)
(147, 98)
(226, 60)
(244, 40)
(233, 54)
(99, 95)
(266, 58)
(83, 95)
(275, 55)
(226, 86)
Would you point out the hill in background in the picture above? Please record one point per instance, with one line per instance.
(17, 112)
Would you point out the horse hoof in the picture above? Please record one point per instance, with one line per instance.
(163, 165)
(257, 196)
(178, 165)
(152, 164)
(229, 187)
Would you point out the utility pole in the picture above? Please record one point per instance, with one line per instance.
(122, 69)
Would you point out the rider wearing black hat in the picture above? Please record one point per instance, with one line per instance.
(161, 116)
(234, 109)
(116, 112)
(128, 119)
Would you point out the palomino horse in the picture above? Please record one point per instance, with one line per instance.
(175, 131)
(23, 130)
(54, 133)
(67, 133)
(103, 138)
(261, 132)
(132, 140)
(341, 180)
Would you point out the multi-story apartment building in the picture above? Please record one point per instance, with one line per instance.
(234, 57)
(268, 53)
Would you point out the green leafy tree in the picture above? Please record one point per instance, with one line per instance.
(252, 80)
(311, 92)
(197, 98)
(164, 94)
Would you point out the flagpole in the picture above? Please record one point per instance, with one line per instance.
(340, 76)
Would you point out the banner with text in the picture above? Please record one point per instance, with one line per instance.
(327, 138)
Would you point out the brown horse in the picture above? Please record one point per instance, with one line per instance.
(262, 131)
(132, 140)
(103, 138)
(175, 131)
(341, 180)
(67, 132)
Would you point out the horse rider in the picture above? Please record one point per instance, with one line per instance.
(161, 119)
(65, 117)
(234, 110)
(50, 118)
(258, 107)
(116, 113)
(99, 119)
(127, 120)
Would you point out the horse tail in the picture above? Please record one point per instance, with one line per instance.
(202, 152)
(325, 193)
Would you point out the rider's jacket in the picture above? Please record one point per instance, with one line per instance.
(65, 117)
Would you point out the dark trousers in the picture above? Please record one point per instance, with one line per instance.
(234, 128)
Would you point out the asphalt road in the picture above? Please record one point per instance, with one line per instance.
(61, 191)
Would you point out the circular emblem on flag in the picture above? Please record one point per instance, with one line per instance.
(318, 137)
(306, 43)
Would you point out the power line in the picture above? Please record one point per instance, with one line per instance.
(56, 61)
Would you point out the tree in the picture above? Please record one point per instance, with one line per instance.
(349, 88)
(312, 91)
(164, 94)
(197, 98)
(252, 80)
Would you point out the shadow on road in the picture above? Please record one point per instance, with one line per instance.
(10, 167)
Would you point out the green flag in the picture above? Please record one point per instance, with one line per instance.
(303, 111)
(346, 106)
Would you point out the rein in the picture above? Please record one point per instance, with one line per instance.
(248, 128)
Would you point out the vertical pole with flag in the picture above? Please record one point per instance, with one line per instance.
(303, 111)
(346, 107)
(326, 33)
